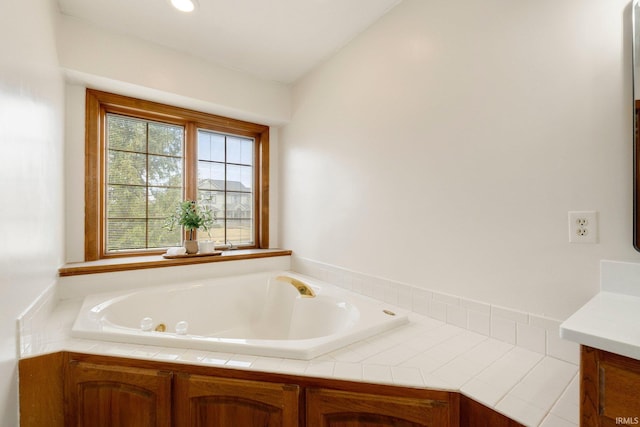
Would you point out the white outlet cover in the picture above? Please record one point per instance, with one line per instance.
(583, 227)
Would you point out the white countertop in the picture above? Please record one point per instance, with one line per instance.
(529, 387)
(610, 321)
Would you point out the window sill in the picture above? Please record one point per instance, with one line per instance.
(138, 263)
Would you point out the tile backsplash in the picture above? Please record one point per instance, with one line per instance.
(533, 332)
(620, 277)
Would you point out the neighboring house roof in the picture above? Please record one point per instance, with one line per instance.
(218, 184)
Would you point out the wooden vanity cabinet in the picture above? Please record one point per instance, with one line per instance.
(609, 389)
(77, 390)
(201, 401)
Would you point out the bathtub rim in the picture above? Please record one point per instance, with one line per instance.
(304, 349)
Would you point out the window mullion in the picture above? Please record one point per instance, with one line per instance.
(226, 198)
(191, 163)
(146, 226)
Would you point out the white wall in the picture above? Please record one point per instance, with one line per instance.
(444, 147)
(31, 129)
(124, 64)
(93, 57)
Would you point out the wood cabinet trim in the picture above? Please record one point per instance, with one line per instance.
(589, 387)
(41, 390)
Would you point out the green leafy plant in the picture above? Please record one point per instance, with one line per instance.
(192, 216)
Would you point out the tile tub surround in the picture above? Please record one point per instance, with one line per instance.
(510, 361)
(527, 386)
(537, 333)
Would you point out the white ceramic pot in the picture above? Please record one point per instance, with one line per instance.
(191, 246)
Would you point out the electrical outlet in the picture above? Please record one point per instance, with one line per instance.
(583, 227)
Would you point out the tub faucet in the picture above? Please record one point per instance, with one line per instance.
(303, 289)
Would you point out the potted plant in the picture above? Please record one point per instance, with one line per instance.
(191, 217)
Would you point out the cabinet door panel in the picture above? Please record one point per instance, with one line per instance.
(619, 392)
(608, 387)
(333, 408)
(202, 401)
(114, 396)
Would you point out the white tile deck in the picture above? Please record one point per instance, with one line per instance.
(532, 388)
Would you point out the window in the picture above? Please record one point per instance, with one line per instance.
(142, 158)
(225, 184)
(144, 179)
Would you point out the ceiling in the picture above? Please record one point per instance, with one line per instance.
(278, 40)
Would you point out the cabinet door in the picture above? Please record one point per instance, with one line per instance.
(202, 401)
(609, 387)
(115, 396)
(333, 408)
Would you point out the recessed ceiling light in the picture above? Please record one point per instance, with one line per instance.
(184, 5)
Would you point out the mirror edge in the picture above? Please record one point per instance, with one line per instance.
(635, 56)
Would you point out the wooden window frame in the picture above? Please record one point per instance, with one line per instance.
(99, 103)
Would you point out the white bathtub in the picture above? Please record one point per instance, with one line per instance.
(253, 314)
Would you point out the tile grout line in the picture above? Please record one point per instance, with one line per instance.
(564, 390)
